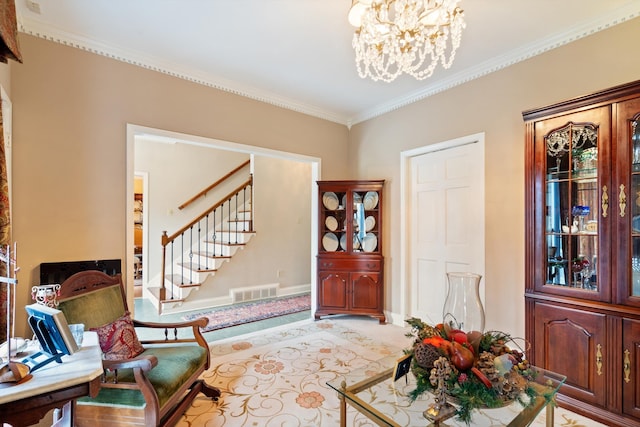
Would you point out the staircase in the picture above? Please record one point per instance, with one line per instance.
(200, 249)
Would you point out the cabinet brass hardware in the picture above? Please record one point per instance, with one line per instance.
(599, 359)
(627, 367)
(623, 201)
(605, 201)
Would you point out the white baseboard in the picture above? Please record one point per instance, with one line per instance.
(395, 318)
(209, 303)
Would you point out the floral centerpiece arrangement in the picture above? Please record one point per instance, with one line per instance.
(477, 369)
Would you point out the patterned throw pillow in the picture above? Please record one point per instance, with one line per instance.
(118, 340)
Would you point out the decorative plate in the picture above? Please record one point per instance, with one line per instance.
(343, 242)
(369, 223)
(370, 200)
(370, 242)
(357, 198)
(330, 242)
(331, 222)
(330, 200)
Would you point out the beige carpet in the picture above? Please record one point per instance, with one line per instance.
(278, 377)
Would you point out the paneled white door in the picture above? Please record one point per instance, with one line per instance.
(446, 223)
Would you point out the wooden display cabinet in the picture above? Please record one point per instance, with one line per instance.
(350, 261)
(582, 270)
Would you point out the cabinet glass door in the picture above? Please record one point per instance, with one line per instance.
(572, 207)
(628, 273)
(573, 210)
(366, 221)
(635, 208)
(332, 221)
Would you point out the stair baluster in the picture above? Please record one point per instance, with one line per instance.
(216, 226)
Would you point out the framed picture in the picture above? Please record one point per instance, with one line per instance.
(402, 368)
(52, 330)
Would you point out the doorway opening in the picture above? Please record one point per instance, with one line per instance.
(263, 156)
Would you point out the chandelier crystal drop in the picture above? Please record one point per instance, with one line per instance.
(405, 36)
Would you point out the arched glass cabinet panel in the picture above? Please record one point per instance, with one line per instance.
(571, 233)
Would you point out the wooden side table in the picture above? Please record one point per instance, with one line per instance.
(55, 385)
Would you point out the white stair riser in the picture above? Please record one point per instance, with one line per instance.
(222, 250)
(207, 262)
(231, 237)
(178, 292)
(189, 276)
(244, 216)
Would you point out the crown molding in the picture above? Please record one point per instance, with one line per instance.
(522, 53)
(43, 31)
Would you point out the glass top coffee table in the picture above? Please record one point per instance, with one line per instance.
(373, 392)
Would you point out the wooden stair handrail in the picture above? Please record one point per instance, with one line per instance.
(209, 188)
(168, 239)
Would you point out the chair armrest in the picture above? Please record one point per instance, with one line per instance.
(201, 322)
(145, 363)
(139, 365)
(194, 325)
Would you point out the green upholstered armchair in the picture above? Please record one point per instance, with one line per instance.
(145, 382)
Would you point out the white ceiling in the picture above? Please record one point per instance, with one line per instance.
(297, 53)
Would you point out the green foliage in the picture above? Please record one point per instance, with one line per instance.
(492, 337)
(472, 395)
(420, 330)
(422, 381)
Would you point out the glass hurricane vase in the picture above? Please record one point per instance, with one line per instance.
(463, 308)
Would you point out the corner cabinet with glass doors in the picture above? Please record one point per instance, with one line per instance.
(350, 263)
(582, 289)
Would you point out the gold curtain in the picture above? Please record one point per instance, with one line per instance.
(5, 228)
(9, 48)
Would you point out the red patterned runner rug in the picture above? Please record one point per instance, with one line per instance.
(252, 312)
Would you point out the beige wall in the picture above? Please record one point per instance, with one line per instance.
(492, 104)
(70, 110)
(5, 78)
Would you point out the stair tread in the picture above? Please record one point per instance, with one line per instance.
(155, 291)
(177, 280)
(197, 267)
(224, 243)
(208, 255)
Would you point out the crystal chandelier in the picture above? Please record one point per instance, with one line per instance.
(405, 36)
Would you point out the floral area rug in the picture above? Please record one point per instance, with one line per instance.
(252, 312)
(278, 378)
